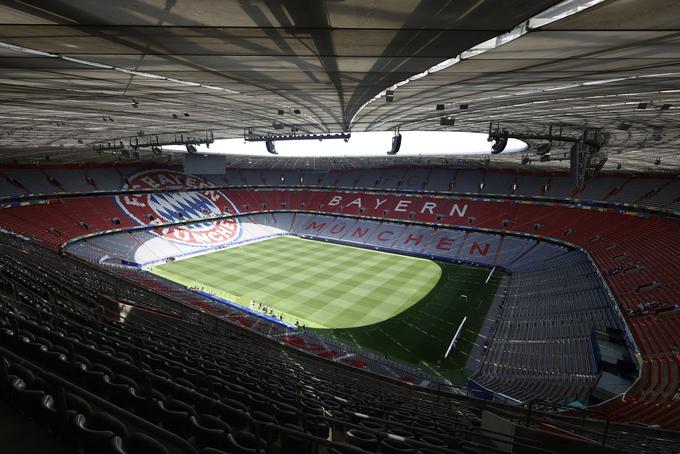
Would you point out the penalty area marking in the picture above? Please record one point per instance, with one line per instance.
(455, 337)
(490, 274)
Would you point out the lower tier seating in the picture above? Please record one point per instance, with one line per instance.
(106, 380)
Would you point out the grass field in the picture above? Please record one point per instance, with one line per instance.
(323, 285)
(405, 307)
(420, 335)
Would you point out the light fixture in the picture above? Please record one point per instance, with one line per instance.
(157, 141)
(250, 136)
(447, 121)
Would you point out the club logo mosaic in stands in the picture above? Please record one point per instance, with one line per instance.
(164, 207)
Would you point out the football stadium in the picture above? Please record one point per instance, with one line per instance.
(340, 227)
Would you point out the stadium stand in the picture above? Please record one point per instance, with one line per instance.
(148, 247)
(617, 248)
(643, 190)
(541, 346)
(98, 376)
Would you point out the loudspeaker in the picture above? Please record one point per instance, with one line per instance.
(499, 145)
(396, 144)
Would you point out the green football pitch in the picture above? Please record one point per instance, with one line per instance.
(405, 307)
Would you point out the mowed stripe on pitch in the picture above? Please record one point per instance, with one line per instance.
(326, 284)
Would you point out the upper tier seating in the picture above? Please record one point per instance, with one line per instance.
(657, 192)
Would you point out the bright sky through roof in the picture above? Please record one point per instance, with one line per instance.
(414, 143)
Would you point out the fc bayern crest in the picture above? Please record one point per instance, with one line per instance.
(178, 206)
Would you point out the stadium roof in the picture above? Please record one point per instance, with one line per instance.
(76, 72)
